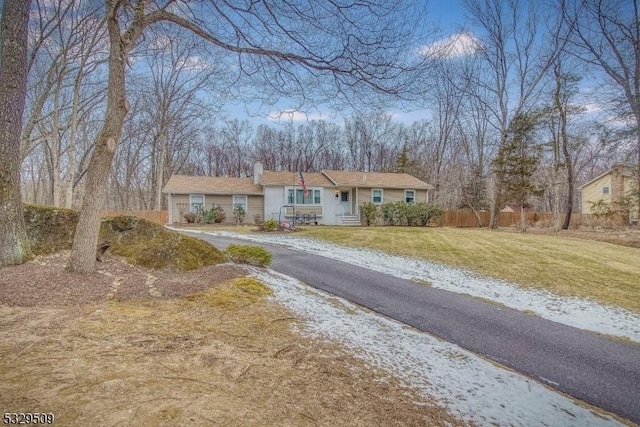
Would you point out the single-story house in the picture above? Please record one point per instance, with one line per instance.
(333, 197)
(612, 186)
(517, 208)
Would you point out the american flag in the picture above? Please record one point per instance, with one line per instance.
(303, 184)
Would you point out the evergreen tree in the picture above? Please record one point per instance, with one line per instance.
(403, 162)
(517, 161)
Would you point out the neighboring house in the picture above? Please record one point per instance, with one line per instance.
(612, 186)
(514, 208)
(333, 197)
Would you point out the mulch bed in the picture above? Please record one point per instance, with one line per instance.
(45, 282)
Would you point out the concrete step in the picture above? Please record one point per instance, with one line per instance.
(350, 220)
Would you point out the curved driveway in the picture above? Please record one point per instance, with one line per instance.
(590, 367)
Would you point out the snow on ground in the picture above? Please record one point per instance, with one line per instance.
(572, 311)
(468, 386)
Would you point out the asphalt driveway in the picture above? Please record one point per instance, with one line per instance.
(593, 368)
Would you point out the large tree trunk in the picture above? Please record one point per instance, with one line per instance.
(83, 252)
(556, 200)
(571, 181)
(14, 245)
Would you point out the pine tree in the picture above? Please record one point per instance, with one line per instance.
(403, 164)
(517, 161)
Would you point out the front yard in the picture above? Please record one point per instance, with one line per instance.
(567, 266)
(137, 347)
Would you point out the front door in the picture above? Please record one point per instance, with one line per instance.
(345, 202)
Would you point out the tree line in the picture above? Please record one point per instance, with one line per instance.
(508, 95)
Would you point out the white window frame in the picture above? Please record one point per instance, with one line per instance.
(414, 195)
(313, 192)
(244, 205)
(191, 202)
(373, 190)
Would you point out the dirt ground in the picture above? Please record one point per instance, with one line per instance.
(130, 347)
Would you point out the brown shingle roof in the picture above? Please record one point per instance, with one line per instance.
(376, 180)
(311, 179)
(211, 185)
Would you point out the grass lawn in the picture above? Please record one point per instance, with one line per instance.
(568, 266)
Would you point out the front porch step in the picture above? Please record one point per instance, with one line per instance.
(349, 220)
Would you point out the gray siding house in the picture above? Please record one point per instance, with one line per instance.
(333, 197)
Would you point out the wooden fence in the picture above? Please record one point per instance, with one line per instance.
(467, 218)
(159, 217)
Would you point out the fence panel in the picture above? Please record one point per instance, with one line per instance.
(159, 217)
(466, 218)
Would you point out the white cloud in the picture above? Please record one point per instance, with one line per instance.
(590, 108)
(411, 116)
(459, 44)
(297, 116)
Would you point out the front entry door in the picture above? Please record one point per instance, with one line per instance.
(345, 203)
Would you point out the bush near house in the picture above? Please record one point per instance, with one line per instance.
(369, 213)
(401, 213)
(270, 225)
(238, 214)
(190, 217)
(214, 215)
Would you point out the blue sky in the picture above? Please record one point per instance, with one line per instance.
(448, 16)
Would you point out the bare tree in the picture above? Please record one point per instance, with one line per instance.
(563, 155)
(14, 245)
(517, 54)
(300, 50)
(607, 36)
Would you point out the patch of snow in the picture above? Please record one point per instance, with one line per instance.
(467, 385)
(577, 312)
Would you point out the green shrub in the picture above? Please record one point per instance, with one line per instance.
(270, 225)
(369, 213)
(389, 214)
(238, 214)
(214, 215)
(409, 214)
(249, 254)
(426, 212)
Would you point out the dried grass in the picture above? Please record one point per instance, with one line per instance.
(224, 356)
(565, 265)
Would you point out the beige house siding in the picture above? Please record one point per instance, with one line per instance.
(179, 206)
(390, 195)
(593, 192)
(255, 205)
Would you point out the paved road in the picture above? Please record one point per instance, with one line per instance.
(592, 368)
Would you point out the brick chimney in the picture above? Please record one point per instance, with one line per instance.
(617, 186)
(258, 169)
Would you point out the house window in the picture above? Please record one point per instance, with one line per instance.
(196, 202)
(409, 196)
(312, 197)
(605, 190)
(376, 197)
(240, 201)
